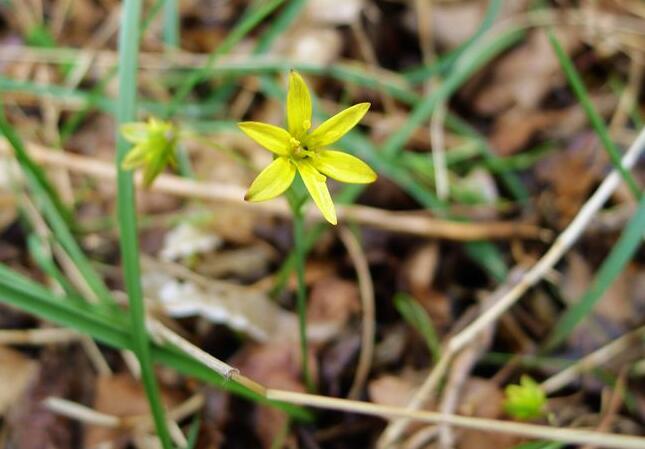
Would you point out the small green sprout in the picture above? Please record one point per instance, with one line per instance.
(525, 401)
(299, 150)
(155, 143)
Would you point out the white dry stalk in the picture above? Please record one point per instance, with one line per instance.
(598, 357)
(557, 250)
(565, 435)
(366, 289)
(38, 336)
(96, 356)
(437, 139)
(161, 332)
(81, 413)
(529, 278)
(408, 223)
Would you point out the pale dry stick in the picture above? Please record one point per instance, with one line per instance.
(590, 361)
(160, 331)
(51, 116)
(38, 337)
(87, 415)
(557, 250)
(570, 436)
(177, 435)
(81, 413)
(437, 136)
(419, 224)
(59, 17)
(71, 270)
(526, 281)
(96, 356)
(396, 428)
(614, 404)
(422, 438)
(366, 289)
(163, 334)
(460, 369)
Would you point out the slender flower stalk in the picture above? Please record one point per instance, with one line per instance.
(300, 151)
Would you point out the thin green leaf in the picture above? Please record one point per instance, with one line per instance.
(597, 122)
(126, 214)
(622, 252)
(418, 318)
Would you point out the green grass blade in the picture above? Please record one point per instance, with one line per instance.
(598, 124)
(446, 62)
(418, 318)
(96, 94)
(126, 211)
(171, 23)
(45, 199)
(235, 36)
(469, 62)
(629, 241)
(31, 297)
(46, 263)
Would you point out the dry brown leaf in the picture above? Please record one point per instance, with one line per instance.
(122, 396)
(483, 399)
(585, 162)
(275, 365)
(331, 303)
(396, 391)
(617, 311)
(514, 128)
(420, 267)
(16, 373)
(241, 308)
(63, 372)
(525, 75)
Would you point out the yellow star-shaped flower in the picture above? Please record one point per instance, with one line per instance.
(300, 150)
(155, 143)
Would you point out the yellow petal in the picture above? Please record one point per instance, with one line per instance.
(134, 132)
(136, 157)
(273, 138)
(343, 167)
(317, 187)
(272, 181)
(336, 127)
(298, 106)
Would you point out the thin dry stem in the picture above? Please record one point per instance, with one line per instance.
(81, 413)
(395, 429)
(402, 222)
(557, 250)
(366, 288)
(38, 337)
(570, 436)
(592, 360)
(164, 334)
(439, 151)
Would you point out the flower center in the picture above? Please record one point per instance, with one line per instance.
(298, 150)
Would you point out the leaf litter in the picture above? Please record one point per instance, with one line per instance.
(212, 278)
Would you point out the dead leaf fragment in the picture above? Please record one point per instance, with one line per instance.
(16, 373)
(122, 396)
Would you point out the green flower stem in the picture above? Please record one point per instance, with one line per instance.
(126, 209)
(300, 251)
